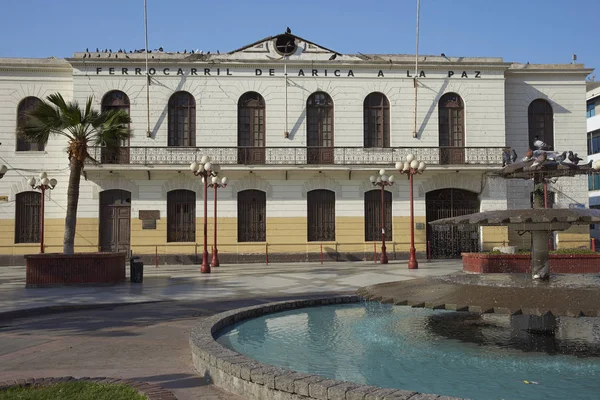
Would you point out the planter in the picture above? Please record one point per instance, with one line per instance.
(521, 263)
(57, 269)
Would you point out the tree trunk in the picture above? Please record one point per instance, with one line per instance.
(72, 201)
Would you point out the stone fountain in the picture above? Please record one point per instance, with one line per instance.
(540, 166)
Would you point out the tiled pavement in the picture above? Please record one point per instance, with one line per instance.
(149, 342)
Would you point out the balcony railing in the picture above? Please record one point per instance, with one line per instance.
(296, 155)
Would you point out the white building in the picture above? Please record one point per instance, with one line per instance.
(593, 150)
(298, 129)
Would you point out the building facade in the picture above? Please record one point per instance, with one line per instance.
(298, 129)
(592, 113)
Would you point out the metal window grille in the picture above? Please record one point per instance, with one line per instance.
(251, 129)
(181, 216)
(541, 122)
(376, 119)
(373, 215)
(252, 210)
(23, 143)
(182, 120)
(321, 215)
(27, 223)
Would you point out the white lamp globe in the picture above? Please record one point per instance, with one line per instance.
(422, 166)
(378, 179)
(391, 179)
(45, 181)
(214, 180)
(208, 166)
(31, 181)
(399, 165)
(202, 179)
(382, 171)
(384, 178)
(414, 164)
(596, 165)
(3, 169)
(224, 180)
(216, 168)
(406, 166)
(373, 178)
(53, 182)
(204, 159)
(43, 175)
(194, 166)
(410, 157)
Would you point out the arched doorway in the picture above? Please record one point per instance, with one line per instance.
(449, 241)
(115, 215)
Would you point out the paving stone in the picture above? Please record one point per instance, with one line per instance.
(318, 390)
(338, 392)
(301, 386)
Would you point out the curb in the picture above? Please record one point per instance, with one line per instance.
(152, 391)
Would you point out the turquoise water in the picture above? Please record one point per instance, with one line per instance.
(391, 346)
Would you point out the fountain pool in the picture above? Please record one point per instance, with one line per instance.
(429, 351)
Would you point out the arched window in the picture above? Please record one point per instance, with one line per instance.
(541, 123)
(116, 100)
(252, 216)
(251, 129)
(376, 120)
(182, 120)
(373, 215)
(321, 215)
(27, 217)
(181, 216)
(451, 129)
(24, 144)
(319, 125)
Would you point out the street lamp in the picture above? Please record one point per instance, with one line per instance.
(43, 184)
(216, 184)
(206, 170)
(410, 167)
(382, 180)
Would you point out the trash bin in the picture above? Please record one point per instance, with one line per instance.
(136, 270)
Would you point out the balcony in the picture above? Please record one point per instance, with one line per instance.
(294, 156)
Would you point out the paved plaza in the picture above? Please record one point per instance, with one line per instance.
(63, 332)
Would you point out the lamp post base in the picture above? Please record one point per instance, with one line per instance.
(412, 260)
(384, 258)
(215, 258)
(205, 268)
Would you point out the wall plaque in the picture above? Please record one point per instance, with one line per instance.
(149, 214)
(148, 224)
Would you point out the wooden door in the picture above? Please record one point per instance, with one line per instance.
(115, 215)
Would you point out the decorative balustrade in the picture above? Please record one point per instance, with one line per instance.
(295, 155)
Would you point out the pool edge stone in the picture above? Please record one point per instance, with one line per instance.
(246, 377)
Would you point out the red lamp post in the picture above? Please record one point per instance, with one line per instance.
(382, 180)
(206, 170)
(215, 184)
(43, 184)
(410, 168)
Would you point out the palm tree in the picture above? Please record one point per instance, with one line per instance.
(83, 128)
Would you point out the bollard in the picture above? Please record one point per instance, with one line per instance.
(267, 252)
(593, 244)
(321, 253)
(375, 253)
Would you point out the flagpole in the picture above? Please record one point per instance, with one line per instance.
(415, 81)
(148, 133)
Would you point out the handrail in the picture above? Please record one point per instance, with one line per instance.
(289, 155)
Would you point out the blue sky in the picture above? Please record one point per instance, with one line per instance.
(535, 31)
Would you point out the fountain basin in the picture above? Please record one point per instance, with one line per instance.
(484, 263)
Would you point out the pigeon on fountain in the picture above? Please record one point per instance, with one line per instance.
(539, 144)
(505, 157)
(540, 160)
(528, 155)
(513, 156)
(560, 158)
(574, 158)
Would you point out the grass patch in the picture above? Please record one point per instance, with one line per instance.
(81, 390)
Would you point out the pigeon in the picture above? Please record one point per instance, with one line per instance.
(97, 50)
(560, 158)
(85, 55)
(505, 157)
(513, 156)
(539, 144)
(218, 52)
(528, 155)
(443, 55)
(288, 30)
(540, 160)
(333, 56)
(87, 50)
(574, 158)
